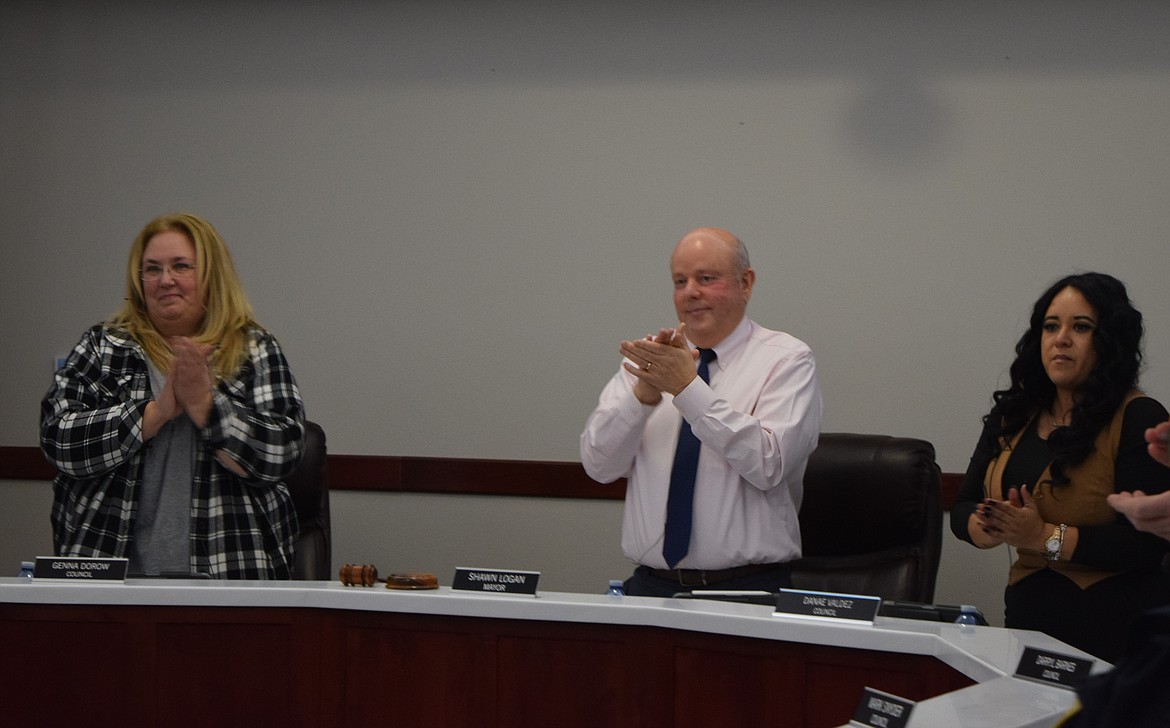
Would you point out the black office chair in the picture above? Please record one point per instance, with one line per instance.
(871, 522)
(309, 487)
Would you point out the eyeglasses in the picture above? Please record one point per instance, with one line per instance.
(154, 271)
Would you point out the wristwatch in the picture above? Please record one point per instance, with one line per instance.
(1055, 543)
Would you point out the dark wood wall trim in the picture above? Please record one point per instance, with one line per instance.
(466, 476)
(24, 463)
(430, 475)
(950, 489)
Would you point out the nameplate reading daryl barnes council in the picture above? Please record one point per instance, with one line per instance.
(1053, 669)
(882, 710)
(826, 605)
(80, 568)
(495, 581)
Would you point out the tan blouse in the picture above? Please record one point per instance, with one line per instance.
(1081, 502)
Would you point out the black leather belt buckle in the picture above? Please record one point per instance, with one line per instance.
(692, 577)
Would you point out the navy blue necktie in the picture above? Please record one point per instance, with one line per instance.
(680, 501)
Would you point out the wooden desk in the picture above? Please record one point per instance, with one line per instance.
(162, 653)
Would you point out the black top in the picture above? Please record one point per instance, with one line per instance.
(1116, 547)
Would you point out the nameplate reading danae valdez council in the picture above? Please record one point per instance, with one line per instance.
(826, 605)
(80, 568)
(495, 581)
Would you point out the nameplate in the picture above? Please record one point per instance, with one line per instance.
(882, 710)
(826, 605)
(80, 568)
(495, 581)
(1052, 668)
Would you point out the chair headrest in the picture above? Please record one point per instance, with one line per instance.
(309, 479)
(867, 492)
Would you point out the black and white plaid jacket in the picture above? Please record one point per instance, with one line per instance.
(91, 429)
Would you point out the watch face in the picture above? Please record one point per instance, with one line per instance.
(1052, 545)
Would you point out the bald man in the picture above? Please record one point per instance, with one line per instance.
(756, 420)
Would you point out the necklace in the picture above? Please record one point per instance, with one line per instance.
(1054, 421)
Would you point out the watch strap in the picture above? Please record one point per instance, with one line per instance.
(1055, 543)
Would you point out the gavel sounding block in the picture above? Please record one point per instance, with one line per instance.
(412, 580)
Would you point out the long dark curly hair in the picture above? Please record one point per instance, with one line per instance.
(1117, 341)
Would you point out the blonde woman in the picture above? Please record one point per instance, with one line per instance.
(173, 423)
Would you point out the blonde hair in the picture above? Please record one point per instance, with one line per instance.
(227, 315)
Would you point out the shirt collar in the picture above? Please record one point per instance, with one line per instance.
(727, 349)
(121, 337)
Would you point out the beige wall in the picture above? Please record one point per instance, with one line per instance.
(449, 213)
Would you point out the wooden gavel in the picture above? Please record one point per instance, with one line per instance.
(355, 575)
(367, 575)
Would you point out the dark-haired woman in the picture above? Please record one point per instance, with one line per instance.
(1068, 432)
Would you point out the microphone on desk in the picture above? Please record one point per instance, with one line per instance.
(171, 575)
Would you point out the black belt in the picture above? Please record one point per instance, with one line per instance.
(703, 577)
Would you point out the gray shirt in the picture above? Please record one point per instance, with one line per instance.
(162, 525)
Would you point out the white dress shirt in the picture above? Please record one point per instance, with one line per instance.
(758, 421)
